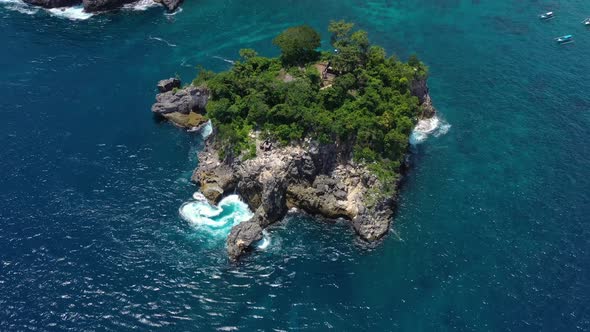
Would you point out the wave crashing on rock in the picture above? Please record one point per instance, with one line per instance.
(425, 128)
(218, 220)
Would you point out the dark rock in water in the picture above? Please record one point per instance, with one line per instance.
(419, 88)
(168, 84)
(171, 5)
(184, 107)
(101, 5)
(53, 3)
(241, 237)
(184, 101)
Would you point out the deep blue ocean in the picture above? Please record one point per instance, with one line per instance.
(493, 228)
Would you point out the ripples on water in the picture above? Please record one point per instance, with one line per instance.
(491, 232)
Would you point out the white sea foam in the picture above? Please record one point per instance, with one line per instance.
(177, 11)
(265, 242)
(19, 6)
(207, 130)
(162, 40)
(198, 196)
(428, 127)
(215, 220)
(74, 13)
(141, 5)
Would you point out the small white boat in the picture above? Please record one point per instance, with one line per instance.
(586, 22)
(547, 16)
(564, 39)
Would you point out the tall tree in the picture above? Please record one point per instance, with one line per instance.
(298, 44)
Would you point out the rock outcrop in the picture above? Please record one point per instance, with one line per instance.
(419, 88)
(185, 107)
(168, 84)
(171, 5)
(53, 3)
(320, 179)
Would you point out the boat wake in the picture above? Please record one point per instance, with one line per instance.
(224, 59)
(163, 41)
(428, 127)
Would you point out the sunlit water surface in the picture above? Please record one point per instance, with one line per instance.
(492, 230)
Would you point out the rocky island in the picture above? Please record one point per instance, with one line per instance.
(323, 132)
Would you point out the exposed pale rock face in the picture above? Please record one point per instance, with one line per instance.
(318, 179)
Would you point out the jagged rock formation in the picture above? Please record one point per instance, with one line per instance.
(320, 179)
(419, 88)
(185, 107)
(171, 5)
(168, 84)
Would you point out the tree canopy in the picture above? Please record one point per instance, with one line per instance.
(298, 44)
(368, 104)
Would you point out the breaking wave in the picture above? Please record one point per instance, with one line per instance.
(141, 5)
(19, 6)
(177, 11)
(75, 13)
(425, 128)
(218, 220)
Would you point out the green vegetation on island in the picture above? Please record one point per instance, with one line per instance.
(354, 95)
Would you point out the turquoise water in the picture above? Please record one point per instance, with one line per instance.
(492, 231)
